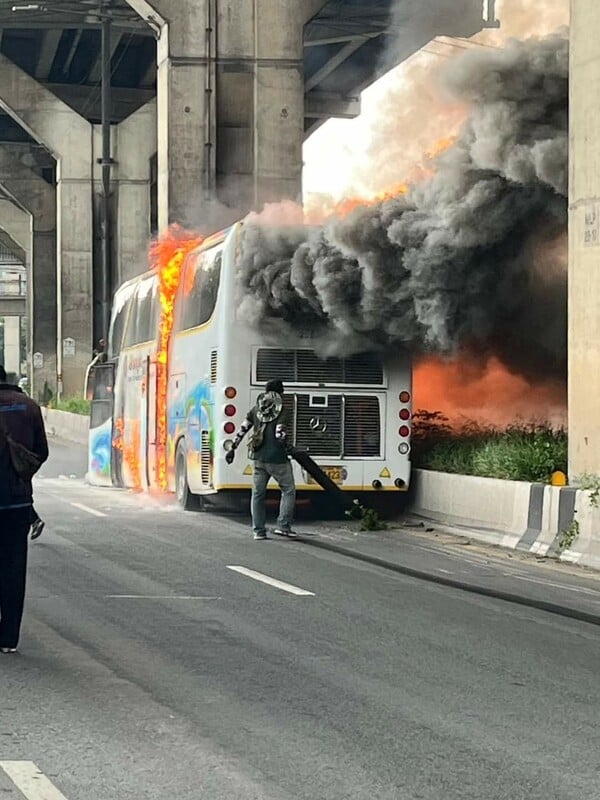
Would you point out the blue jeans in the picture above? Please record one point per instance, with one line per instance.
(284, 476)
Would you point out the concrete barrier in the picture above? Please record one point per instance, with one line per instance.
(514, 514)
(586, 546)
(65, 425)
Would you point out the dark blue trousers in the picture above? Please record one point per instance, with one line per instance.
(14, 528)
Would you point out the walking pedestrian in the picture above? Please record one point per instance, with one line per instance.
(268, 449)
(23, 448)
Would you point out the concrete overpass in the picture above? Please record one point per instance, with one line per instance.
(212, 100)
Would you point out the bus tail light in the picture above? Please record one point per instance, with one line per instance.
(399, 483)
(404, 431)
(229, 428)
(230, 392)
(403, 448)
(376, 484)
(228, 445)
(230, 410)
(404, 414)
(404, 397)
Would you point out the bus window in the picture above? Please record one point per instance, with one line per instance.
(200, 289)
(120, 312)
(143, 318)
(102, 381)
(144, 330)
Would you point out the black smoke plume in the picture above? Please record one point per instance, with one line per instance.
(463, 259)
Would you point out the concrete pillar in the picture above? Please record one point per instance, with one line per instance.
(68, 137)
(38, 198)
(12, 345)
(230, 102)
(16, 221)
(584, 240)
(135, 146)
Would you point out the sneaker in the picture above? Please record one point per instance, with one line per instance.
(37, 528)
(8, 650)
(260, 535)
(285, 532)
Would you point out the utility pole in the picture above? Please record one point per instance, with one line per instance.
(106, 162)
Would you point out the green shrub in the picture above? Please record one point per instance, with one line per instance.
(521, 452)
(76, 405)
(368, 517)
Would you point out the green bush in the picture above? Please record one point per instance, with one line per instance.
(76, 405)
(520, 452)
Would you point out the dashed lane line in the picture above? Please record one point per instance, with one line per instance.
(161, 597)
(89, 510)
(30, 781)
(258, 576)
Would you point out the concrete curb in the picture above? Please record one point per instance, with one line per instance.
(64, 425)
(513, 514)
(509, 597)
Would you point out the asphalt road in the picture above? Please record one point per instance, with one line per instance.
(150, 669)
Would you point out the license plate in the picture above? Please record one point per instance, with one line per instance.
(336, 474)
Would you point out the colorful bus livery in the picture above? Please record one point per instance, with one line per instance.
(352, 414)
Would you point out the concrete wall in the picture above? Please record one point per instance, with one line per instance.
(584, 240)
(64, 425)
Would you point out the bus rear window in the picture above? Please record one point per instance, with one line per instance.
(200, 289)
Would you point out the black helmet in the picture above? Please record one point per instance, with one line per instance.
(274, 386)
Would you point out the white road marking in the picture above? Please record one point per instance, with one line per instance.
(565, 586)
(445, 571)
(258, 576)
(160, 597)
(32, 783)
(89, 510)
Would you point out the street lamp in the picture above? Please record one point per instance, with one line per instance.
(103, 13)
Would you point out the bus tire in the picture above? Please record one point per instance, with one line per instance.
(186, 499)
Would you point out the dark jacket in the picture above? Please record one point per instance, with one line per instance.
(21, 418)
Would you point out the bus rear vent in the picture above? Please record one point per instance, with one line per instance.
(213, 366)
(305, 367)
(349, 426)
(206, 459)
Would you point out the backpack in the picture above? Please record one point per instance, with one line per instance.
(268, 408)
(23, 461)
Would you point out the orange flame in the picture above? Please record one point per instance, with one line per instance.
(167, 256)
(421, 171)
(129, 449)
(466, 388)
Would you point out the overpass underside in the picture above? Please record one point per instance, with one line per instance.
(211, 102)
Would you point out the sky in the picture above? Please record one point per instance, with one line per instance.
(404, 115)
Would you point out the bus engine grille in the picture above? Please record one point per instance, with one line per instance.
(348, 427)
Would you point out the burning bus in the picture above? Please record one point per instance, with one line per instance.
(183, 367)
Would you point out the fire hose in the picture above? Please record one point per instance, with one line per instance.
(314, 470)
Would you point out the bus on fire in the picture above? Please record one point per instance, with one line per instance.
(164, 412)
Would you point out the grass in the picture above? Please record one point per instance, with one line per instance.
(75, 404)
(520, 452)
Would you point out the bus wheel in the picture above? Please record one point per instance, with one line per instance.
(185, 498)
